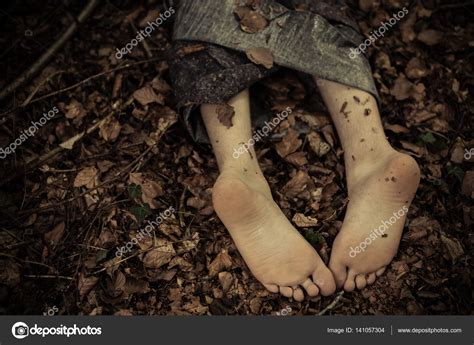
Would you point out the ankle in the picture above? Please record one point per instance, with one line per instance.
(251, 176)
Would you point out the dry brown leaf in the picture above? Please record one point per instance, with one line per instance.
(396, 128)
(416, 69)
(250, 21)
(86, 284)
(221, 262)
(297, 184)
(52, 237)
(87, 177)
(430, 37)
(74, 110)
(226, 280)
(147, 95)
(110, 129)
(160, 255)
(297, 158)
(260, 56)
(402, 88)
(304, 221)
(289, 144)
(150, 189)
(225, 113)
(189, 49)
(317, 144)
(453, 246)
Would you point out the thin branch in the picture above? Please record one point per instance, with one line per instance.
(332, 305)
(43, 59)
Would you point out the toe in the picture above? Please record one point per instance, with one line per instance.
(371, 278)
(271, 287)
(361, 282)
(349, 284)
(298, 294)
(380, 271)
(324, 279)
(286, 291)
(339, 271)
(311, 288)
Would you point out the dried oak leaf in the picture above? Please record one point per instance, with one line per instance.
(225, 113)
(289, 144)
(87, 177)
(147, 95)
(260, 56)
(250, 21)
(160, 255)
(304, 221)
(110, 129)
(221, 262)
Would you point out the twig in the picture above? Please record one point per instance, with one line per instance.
(36, 67)
(57, 92)
(332, 305)
(48, 277)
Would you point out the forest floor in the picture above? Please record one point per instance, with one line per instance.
(115, 156)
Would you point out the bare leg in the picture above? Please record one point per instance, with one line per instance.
(381, 185)
(278, 256)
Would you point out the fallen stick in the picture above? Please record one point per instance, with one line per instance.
(332, 304)
(36, 67)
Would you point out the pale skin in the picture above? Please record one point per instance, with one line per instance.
(380, 181)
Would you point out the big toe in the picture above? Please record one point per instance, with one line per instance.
(324, 279)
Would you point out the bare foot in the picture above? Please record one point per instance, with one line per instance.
(278, 256)
(380, 194)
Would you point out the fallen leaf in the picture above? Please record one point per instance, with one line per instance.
(304, 221)
(297, 185)
(147, 95)
(86, 284)
(453, 246)
(289, 144)
(226, 280)
(110, 129)
(221, 262)
(260, 56)
(74, 110)
(87, 177)
(250, 21)
(225, 113)
(160, 255)
(150, 189)
(430, 37)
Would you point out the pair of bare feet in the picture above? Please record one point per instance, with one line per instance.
(381, 185)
